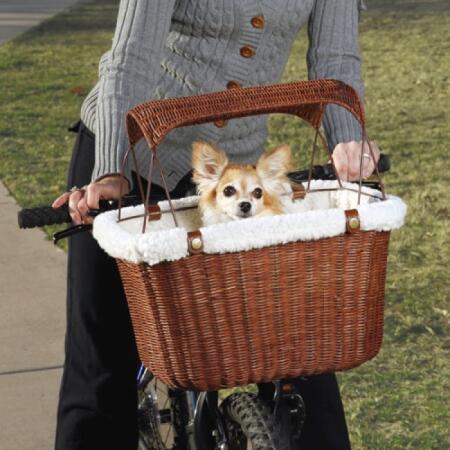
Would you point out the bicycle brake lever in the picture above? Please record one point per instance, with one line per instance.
(70, 231)
(105, 205)
(108, 205)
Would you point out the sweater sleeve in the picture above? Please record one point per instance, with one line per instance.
(333, 53)
(128, 73)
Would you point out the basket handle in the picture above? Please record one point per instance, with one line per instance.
(153, 120)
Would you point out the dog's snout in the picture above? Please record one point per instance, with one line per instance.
(245, 206)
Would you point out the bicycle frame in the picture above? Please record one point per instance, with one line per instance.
(206, 429)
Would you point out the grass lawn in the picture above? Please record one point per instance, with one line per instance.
(399, 400)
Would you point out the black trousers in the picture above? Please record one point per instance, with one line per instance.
(98, 398)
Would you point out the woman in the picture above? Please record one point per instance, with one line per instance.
(168, 48)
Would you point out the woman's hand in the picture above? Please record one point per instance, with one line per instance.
(87, 197)
(346, 157)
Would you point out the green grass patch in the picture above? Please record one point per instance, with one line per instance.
(400, 399)
(45, 74)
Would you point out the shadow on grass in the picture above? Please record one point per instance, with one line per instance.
(409, 6)
(97, 15)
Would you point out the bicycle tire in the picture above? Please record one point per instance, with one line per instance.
(152, 436)
(249, 420)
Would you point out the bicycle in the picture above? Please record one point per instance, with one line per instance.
(175, 419)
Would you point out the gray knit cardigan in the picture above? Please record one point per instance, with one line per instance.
(168, 48)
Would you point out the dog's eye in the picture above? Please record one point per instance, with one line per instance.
(229, 191)
(257, 193)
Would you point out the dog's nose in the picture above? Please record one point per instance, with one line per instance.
(245, 206)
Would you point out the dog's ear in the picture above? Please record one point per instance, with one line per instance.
(275, 164)
(208, 163)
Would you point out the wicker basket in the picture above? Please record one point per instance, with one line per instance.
(211, 320)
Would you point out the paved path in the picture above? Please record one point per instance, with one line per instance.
(32, 296)
(17, 16)
(32, 325)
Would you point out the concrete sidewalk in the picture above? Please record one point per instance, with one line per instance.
(32, 296)
(32, 325)
(17, 16)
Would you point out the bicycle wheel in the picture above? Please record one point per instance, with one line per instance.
(163, 416)
(250, 424)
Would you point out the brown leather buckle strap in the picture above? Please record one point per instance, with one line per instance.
(154, 212)
(352, 221)
(298, 191)
(195, 242)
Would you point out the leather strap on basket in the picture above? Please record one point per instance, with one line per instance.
(154, 212)
(353, 223)
(298, 191)
(195, 242)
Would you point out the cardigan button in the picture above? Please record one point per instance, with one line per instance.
(232, 84)
(257, 21)
(220, 123)
(247, 52)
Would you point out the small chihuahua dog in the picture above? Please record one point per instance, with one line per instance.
(236, 191)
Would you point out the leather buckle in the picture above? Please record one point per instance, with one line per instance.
(353, 223)
(195, 242)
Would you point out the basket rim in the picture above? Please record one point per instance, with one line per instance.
(171, 244)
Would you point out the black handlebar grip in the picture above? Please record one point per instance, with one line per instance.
(43, 215)
(46, 215)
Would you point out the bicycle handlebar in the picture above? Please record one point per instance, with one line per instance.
(46, 215)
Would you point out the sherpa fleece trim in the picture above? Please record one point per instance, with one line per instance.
(162, 241)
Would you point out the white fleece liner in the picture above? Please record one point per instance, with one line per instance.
(320, 215)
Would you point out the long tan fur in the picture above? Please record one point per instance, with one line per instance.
(215, 176)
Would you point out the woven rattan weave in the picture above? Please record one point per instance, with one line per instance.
(303, 308)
